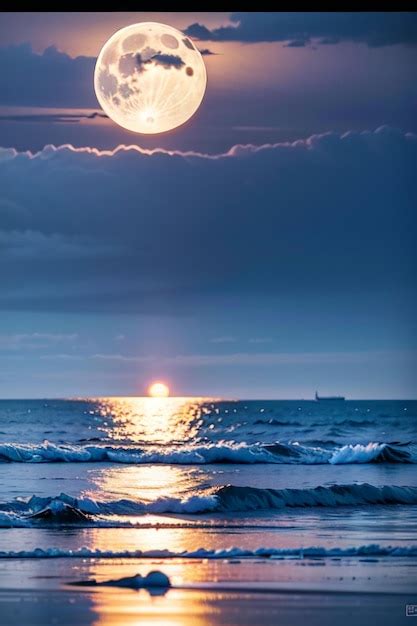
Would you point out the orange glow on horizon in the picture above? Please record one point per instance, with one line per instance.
(158, 390)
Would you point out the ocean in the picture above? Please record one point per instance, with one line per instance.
(311, 495)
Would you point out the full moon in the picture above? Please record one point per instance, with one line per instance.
(158, 390)
(149, 78)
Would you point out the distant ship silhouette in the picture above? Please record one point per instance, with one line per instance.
(329, 398)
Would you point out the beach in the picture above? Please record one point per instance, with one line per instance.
(196, 608)
(266, 511)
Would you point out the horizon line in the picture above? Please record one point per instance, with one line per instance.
(215, 398)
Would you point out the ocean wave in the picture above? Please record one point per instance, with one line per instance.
(349, 423)
(252, 499)
(65, 509)
(370, 550)
(221, 452)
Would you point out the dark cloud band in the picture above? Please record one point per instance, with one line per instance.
(57, 118)
(373, 28)
(133, 230)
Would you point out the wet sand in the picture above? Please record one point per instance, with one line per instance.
(120, 607)
(229, 592)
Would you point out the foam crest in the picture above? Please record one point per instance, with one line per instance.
(65, 509)
(221, 452)
(370, 550)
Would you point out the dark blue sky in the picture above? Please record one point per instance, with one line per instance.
(266, 249)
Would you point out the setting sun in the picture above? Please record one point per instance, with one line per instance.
(158, 390)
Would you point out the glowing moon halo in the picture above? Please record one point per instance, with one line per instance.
(158, 390)
(149, 78)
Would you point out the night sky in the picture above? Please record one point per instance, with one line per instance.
(267, 248)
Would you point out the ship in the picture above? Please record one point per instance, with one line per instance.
(329, 398)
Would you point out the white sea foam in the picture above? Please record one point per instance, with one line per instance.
(65, 509)
(220, 452)
(370, 453)
(371, 550)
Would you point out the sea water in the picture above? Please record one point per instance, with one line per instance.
(208, 479)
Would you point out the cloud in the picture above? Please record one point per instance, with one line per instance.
(28, 245)
(53, 118)
(260, 340)
(52, 78)
(378, 86)
(206, 52)
(137, 63)
(297, 43)
(25, 341)
(132, 230)
(224, 339)
(374, 28)
(168, 60)
(252, 359)
(55, 79)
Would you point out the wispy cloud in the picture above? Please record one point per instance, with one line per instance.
(24, 341)
(206, 52)
(260, 340)
(53, 118)
(258, 359)
(223, 339)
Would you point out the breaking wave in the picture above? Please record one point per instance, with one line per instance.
(65, 509)
(221, 452)
(251, 498)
